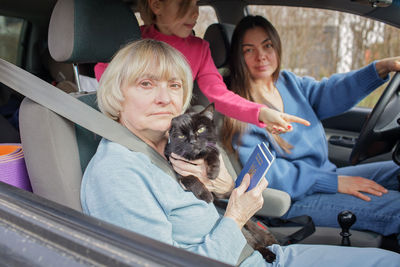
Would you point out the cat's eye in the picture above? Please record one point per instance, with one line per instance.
(201, 130)
(181, 136)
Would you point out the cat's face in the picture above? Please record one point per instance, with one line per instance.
(192, 135)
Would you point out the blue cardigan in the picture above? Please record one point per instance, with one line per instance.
(307, 169)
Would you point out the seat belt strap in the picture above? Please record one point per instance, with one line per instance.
(307, 229)
(71, 108)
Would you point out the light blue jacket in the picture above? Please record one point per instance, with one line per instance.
(124, 188)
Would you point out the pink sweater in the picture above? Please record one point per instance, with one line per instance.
(210, 82)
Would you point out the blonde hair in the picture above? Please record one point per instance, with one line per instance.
(148, 15)
(133, 61)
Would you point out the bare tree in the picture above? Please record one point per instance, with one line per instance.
(321, 42)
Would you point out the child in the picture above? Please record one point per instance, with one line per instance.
(172, 21)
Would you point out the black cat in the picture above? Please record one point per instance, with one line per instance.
(193, 136)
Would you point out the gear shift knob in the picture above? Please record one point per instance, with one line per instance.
(346, 219)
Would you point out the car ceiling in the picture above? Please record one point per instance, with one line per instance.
(28, 9)
(41, 9)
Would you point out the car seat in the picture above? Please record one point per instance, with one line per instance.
(58, 151)
(219, 36)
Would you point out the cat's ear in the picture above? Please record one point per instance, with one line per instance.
(209, 111)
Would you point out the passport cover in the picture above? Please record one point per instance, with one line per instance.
(257, 165)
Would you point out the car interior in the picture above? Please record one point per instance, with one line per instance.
(57, 152)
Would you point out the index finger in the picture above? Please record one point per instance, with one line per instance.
(175, 156)
(292, 118)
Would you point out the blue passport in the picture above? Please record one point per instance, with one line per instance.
(257, 165)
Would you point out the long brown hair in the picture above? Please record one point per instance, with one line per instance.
(240, 78)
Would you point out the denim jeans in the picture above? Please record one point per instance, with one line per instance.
(380, 215)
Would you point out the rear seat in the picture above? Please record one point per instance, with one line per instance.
(218, 35)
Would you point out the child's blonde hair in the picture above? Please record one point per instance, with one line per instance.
(135, 60)
(148, 15)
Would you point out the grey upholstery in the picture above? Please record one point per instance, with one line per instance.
(51, 153)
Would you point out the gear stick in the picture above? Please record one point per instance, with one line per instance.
(346, 219)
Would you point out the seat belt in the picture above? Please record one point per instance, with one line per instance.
(307, 228)
(72, 109)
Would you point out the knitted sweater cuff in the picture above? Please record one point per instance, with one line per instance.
(327, 184)
(370, 77)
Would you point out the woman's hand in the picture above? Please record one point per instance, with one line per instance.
(243, 205)
(278, 122)
(354, 185)
(221, 185)
(387, 65)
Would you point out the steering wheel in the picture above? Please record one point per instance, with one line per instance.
(381, 130)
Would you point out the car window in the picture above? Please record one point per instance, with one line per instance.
(10, 32)
(139, 18)
(320, 42)
(207, 17)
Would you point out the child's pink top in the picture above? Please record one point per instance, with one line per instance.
(210, 82)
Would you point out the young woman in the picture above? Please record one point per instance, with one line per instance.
(172, 21)
(317, 187)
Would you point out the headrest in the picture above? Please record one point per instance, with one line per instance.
(219, 36)
(88, 31)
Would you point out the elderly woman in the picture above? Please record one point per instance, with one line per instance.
(145, 86)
